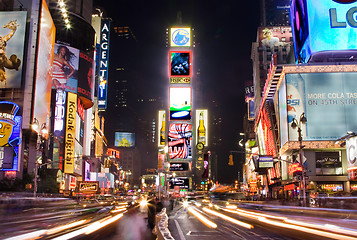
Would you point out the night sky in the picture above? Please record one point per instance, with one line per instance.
(224, 32)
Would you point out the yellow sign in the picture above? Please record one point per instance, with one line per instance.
(70, 133)
(174, 80)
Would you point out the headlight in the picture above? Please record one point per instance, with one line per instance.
(143, 203)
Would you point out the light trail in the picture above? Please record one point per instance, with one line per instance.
(202, 218)
(232, 220)
(330, 227)
(91, 227)
(306, 229)
(66, 226)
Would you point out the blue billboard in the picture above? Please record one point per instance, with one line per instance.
(324, 25)
(328, 100)
(103, 64)
(124, 139)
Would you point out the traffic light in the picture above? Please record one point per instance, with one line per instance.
(230, 162)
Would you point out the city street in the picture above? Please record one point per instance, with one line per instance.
(240, 223)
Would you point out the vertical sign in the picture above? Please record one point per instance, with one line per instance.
(202, 126)
(161, 126)
(70, 133)
(103, 64)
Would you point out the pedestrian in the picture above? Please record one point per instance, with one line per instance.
(151, 213)
(132, 226)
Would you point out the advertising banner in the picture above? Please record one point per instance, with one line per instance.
(13, 35)
(69, 151)
(85, 88)
(180, 103)
(180, 80)
(180, 37)
(205, 166)
(88, 187)
(180, 63)
(124, 139)
(325, 25)
(180, 141)
(46, 41)
(202, 126)
(161, 160)
(10, 127)
(179, 166)
(351, 150)
(161, 128)
(103, 64)
(65, 68)
(329, 101)
(328, 163)
(275, 37)
(181, 182)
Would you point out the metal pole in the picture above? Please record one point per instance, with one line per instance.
(35, 180)
(303, 168)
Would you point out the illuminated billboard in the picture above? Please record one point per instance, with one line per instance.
(322, 26)
(179, 166)
(85, 89)
(103, 64)
(351, 151)
(180, 63)
(73, 71)
(161, 128)
(278, 36)
(180, 103)
(328, 101)
(180, 37)
(180, 141)
(202, 126)
(46, 41)
(12, 48)
(124, 139)
(10, 127)
(265, 134)
(69, 151)
(181, 182)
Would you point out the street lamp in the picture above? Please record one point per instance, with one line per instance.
(40, 146)
(297, 124)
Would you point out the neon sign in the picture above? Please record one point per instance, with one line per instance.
(294, 168)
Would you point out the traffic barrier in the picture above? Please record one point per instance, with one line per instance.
(161, 226)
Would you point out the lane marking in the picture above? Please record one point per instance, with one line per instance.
(182, 236)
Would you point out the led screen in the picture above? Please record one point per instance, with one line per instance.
(328, 101)
(46, 41)
(179, 166)
(124, 139)
(180, 141)
(180, 103)
(180, 37)
(181, 182)
(180, 63)
(13, 34)
(274, 37)
(324, 25)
